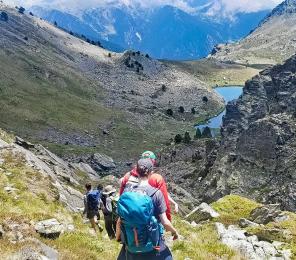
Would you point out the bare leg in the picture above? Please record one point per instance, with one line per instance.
(93, 223)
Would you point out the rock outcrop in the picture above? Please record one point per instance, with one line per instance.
(257, 154)
(249, 246)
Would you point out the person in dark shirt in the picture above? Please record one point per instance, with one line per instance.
(144, 168)
(108, 206)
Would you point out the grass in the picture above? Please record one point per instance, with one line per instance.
(218, 74)
(199, 243)
(233, 207)
(48, 104)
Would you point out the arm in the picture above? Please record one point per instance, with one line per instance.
(85, 204)
(171, 200)
(118, 230)
(168, 225)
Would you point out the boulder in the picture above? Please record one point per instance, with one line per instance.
(49, 228)
(86, 168)
(202, 213)
(35, 250)
(265, 214)
(102, 162)
(243, 223)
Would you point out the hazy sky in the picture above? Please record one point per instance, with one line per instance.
(225, 6)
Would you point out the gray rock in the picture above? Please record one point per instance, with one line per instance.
(49, 228)
(243, 223)
(103, 162)
(201, 213)
(86, 168)
(21, 142)
(265, 214)
(249, 246)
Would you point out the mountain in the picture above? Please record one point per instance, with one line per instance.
(273, 41)
(257, 153)
(164, 32)
(78, 98)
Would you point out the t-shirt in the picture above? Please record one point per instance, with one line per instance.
(156, 181)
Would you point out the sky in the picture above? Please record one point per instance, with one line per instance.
(217, 6)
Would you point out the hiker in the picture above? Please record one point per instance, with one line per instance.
(91, 205)
(155, 180)
(109, 209)
(142, 217)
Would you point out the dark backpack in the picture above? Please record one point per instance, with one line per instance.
(93, 200)
(140, 230)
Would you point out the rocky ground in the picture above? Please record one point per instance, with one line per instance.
(50, 226)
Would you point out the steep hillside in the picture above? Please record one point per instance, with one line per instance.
(40, 216)
(257, 153)
(77, 98)
(272, 42)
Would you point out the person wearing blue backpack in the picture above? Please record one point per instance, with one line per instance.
(92, 200)
(142, 219)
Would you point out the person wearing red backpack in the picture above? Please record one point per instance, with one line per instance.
(155, 180)
(142, 219)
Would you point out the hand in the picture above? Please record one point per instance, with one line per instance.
(176, 208)
(175, 235)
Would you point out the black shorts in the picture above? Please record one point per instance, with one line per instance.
(92, 214)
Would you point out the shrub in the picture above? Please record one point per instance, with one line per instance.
(21, 10)
(88, 40)
(109, 55)
(138, 52)
(147, 56)
(4, 16)
(187, 138)
(71, 32)
(99, 44)
(55, 24)
(138, 70)
(206, 133)
(163, 88)
(178, 139)
(133, 53)
(193, 111)
(31, 14)
(170, 112)
(205, 99)
(197, 133)
(26, 38)
(132, 65)
(181, 109)
(93, 42)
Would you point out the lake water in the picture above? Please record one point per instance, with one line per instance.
(229, 94)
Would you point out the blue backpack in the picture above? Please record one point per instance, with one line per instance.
(93, 200)
(140, 230)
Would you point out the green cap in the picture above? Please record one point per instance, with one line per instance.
(148, 155)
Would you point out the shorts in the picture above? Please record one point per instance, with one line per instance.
(92, 214)
(164, 254)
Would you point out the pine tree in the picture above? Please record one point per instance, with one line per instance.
(178, 139)
(187, 138)
(197, 133)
